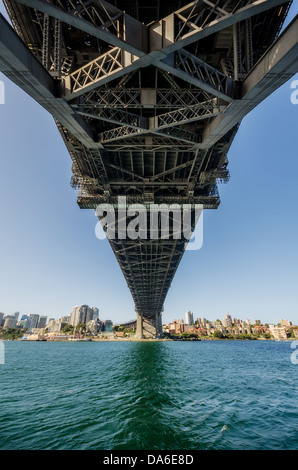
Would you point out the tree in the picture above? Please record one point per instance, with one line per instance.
(67, 328)
(81, 327)
(218, 334)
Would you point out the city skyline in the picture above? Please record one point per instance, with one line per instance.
(190, 317)
(52, 258)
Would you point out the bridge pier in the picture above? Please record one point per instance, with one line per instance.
(148, 328)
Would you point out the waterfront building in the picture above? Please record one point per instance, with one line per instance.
(95, 313)
(202, 332)
(65, 318)
(107, 325)
(33, 321)
(278, 332)
(227, 321)
(285, 322)
(83, 314)
(55, 325)
(23, 322)
(16, 315)
(1, 319)
(94, 326)
(9, 322)
(189, 318)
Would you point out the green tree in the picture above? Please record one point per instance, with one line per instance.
(81, 327)
(67, 329)
(218, 334)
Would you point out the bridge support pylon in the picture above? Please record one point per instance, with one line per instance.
(148, 328)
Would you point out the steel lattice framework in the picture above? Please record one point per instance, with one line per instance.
(148, 96)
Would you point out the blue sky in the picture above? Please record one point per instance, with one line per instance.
(50, 258)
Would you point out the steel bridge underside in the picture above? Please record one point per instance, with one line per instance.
(148, 97)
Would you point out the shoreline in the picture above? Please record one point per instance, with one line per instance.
(115, 340)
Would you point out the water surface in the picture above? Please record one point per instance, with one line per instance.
(152, 396)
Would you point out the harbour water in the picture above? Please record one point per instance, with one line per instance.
(239, 395)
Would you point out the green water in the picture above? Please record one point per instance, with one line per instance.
(152, 396)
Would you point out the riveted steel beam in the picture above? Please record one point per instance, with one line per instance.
(19, 64)
(132, 29)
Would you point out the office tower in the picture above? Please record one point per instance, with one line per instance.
(227, 321)
(189, 318)
(83, 314)
(42, 322)
(95, 313)
(33, 321)
(16, 315)
(9, 322)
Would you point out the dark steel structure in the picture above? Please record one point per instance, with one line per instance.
(148, 96)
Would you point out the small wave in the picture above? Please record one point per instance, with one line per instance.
(224, 428)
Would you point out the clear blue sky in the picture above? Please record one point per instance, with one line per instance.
(50, 258)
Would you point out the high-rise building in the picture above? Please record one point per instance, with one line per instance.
(16, 315)
(189, 318)
(83, 314)
(227, 321)
(42, 322)
(23, 322)
(1, 319)
(65, 319)
(9, 321)
(95, 312)
(33, 321)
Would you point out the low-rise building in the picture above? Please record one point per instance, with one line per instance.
(285, 322)
(55, 326)
(278, 332)
(94, 326)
